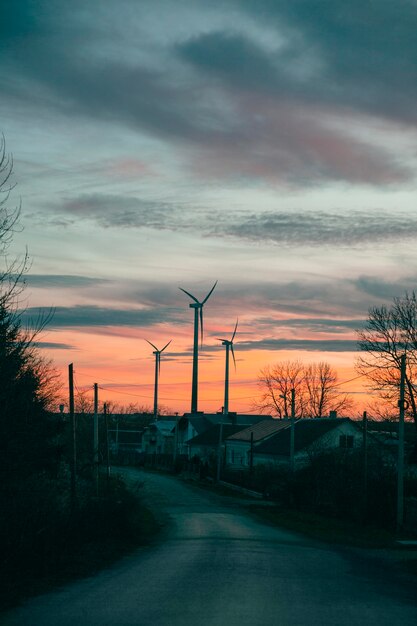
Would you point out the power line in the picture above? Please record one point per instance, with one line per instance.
(345, 382)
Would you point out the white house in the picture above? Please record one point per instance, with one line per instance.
(311, 436)
(159, 437)
(238, 445)
(190, 425)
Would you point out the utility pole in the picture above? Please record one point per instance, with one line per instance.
(365, 463)
(175, 440)
(219, 453)
(106, 422)
(292, 431)
(400, 470)
(251, 453)
(95, 442)
(73, 437)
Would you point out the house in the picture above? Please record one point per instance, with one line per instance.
(239, 444)
(386, 431)
(125, 440)
(311, 436)
(159, 437)
(192, 424)
(206, 444)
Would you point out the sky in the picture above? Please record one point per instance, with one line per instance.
(269, 145)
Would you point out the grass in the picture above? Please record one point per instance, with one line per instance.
(104, 531)
(323, 528)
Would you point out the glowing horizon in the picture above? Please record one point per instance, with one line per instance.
(273, 149)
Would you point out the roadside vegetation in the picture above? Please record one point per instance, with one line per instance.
(45, 538)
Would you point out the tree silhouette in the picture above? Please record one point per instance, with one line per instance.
(315, 386)
(390, 332)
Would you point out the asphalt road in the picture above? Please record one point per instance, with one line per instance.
(216, 566)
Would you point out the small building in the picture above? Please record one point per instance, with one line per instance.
(311, 436)
(240, 443)
(125, 440)
(159, 437)
(192, 424)
(206, 444)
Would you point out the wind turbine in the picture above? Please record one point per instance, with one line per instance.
(229, 346)
(198, 318)
(157, 354)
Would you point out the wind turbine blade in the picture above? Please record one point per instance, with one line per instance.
(159, 362)
(234, 332)
(151, 344)
(233, 354)
(209, 293)
(201, 325)
(218, 339)
(165, 346)
(189, 294)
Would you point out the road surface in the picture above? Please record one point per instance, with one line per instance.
(216, 566)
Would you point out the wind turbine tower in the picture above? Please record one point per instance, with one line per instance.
(157, 354)
(229, 347)
(198, 319)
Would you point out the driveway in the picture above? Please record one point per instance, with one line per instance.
(216, 566)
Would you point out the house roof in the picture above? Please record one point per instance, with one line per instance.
(164, 426)
(231, 418)
(306, 432)
(390, 429)
(200, 423)
(261, 430)
(210, 437)
(203, 421)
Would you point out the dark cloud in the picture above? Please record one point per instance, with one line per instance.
(51, 345)
(321, 228)
(246, 112)
(62, 280)
(273, 121)
(232, 57)
(90, 316)
(117, 210)
(20, 21)
(310, 345)
(367, 50)
(385, 289)
(317, 325)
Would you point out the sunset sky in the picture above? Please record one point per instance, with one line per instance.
(270, 145)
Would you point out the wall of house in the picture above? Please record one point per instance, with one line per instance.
(153, 441)
(183, 436)
(329, 441)
(237, 453)
(205, 453)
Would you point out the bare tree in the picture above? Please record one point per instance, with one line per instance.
(321, 390)
(8, 217)
(315, 385)
(11, 271)
(389, 333)
(276, 382)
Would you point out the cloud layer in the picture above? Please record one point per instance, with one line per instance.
(291, 228)
(234, 105)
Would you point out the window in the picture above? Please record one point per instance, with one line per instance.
(346, 441)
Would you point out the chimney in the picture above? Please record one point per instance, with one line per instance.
(333, 414)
